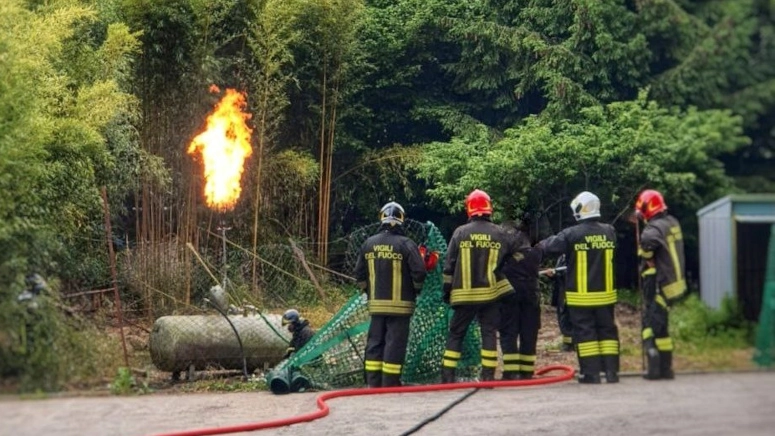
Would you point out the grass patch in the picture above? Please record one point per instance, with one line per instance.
(253, 384)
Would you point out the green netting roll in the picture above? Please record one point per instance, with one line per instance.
(334, 357)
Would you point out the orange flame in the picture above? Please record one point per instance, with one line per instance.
(224, 146)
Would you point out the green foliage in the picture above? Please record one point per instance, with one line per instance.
(630, 297)
(125, 383)
(228, 385)
(42, 349)
(694, 322)
(614, 150)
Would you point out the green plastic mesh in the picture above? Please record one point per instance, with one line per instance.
(765, 337)
(333, 358)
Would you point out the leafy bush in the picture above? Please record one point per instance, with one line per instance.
(693, 321)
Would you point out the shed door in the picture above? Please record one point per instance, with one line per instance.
(752, 244)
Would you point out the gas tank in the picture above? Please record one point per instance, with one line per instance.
(177, 342)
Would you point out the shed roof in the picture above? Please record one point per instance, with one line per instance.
(737, 198)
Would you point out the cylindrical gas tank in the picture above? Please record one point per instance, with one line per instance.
(177, 342)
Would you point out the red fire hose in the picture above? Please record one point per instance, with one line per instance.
(567, 374)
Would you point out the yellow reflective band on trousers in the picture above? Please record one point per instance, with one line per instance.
(511, 362)
(567, 340)
(373, 365)
(609, 347)
(581, 272)
(528, 362)
(664, 344)
(588, 349)
(391, 368)
(489, 358)
(590, 298)
(450, 358)
(648, 272)
(647, 333)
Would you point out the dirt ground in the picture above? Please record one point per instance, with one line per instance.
(732, 403)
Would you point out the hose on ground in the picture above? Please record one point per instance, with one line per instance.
(323, 410)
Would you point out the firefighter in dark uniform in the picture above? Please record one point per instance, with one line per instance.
(520, 311)
(589, 288)
(558, 301)
(391, 270)
(473, 283)
(662, 270)
(300, 329)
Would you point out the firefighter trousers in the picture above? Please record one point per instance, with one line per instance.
(657, 343)
(386, 350)
(488, 315)
(596, 337)
(520, 322)
(566, 326)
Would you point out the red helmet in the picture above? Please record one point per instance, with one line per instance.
(478, 203)
(650, 203)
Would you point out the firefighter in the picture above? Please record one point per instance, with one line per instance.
(300, 329)
(662, 270)
(589, 288)
(473, 283)
(520, 311)
(558, 301)
(391, 270)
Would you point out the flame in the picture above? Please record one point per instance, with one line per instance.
(224, 146)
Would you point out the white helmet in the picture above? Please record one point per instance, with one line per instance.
(585, 205)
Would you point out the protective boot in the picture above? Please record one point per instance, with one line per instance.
(652, 360)
(525, 375)
(666, 365)
(391, 380)
(374, 379)
(510, 375)
(487, 374)
(611, 365)
(590, 379)
(447, 375)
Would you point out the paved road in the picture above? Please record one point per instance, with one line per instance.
(728, 404)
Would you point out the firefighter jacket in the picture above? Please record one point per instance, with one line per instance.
(475, 257)
(662, 243)
(302, 333)
(391, 270)
(521, 270)
(589, 253)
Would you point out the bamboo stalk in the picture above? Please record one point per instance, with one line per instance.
(113, 274)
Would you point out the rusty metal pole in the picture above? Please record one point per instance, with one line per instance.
(112, 259)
